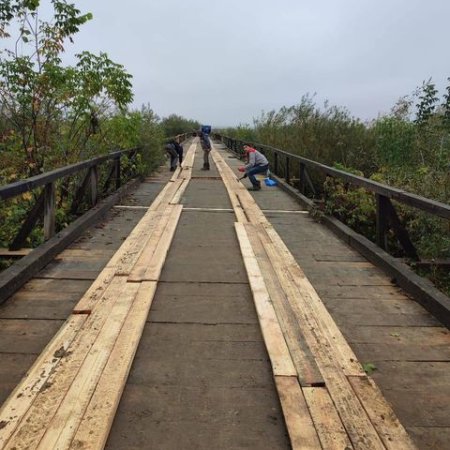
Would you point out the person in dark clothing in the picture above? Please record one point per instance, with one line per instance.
(206, 146)
(180, 150)
(173, 155)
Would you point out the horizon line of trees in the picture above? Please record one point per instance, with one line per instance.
(408, 148)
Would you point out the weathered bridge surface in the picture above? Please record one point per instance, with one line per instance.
(201, 377)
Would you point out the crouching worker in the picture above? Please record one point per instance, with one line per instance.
(171, 151)
(257, 163)
(179, 149)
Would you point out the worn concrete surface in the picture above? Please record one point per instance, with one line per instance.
(201, 378)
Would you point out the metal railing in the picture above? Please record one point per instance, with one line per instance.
(88, 189)
(45, 203)
(285, 164)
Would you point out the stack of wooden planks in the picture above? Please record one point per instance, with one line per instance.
(69, 397)
(327, 399)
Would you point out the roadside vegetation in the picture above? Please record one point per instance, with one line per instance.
(52, 114)
(408, 148)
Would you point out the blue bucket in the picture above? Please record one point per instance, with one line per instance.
(270, 182)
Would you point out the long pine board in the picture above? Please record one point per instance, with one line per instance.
(72, 374)
(149, 265)
(98, 418)
(60, 430)
(23, 396)
(380, 412)
(341, 371)
(354, 418)
(307, 370)
(302, 432)
(305, 298)
(329, 426)
(153, 271)
(377, 409)
(273, 336)
(32, 425)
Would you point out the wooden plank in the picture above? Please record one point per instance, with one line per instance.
(229, 179)
(99, 415)
(166, 195)
(60, 431)
(307, 370)
(239, 211)
(188, 161)
(273, 336)
(139, 268)
(330, 360)
(161, 196)
(391, 431)
(6, 253)
(95, 292)
(177, 195)
(129, 252)
(155, 256)
(285, 211)
(33, 424)
(208, 209)
(180, 177)
(321, 341)
(184, 172)
(301, 430)
(326, 419)
(86, 357)
(310, 301)
(250, 207)
(21, 399)
(137, 207)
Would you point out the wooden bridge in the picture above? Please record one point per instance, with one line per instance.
(198, 316)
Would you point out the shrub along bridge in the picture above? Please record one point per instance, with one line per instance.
(196, 315)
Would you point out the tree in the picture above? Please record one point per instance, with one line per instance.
(54, 110)
(427, 102)
(175, 124)
(446, 105)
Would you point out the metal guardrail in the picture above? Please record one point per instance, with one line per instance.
(45, 203)
(386, 216)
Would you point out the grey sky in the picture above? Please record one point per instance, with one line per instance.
(224, 62)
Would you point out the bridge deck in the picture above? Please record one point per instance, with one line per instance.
(201, 377)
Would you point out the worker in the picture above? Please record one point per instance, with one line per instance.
(171, 151)
(206, 146)
(179, 149)
(257, 163)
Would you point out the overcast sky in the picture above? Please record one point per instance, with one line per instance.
(223, 62)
